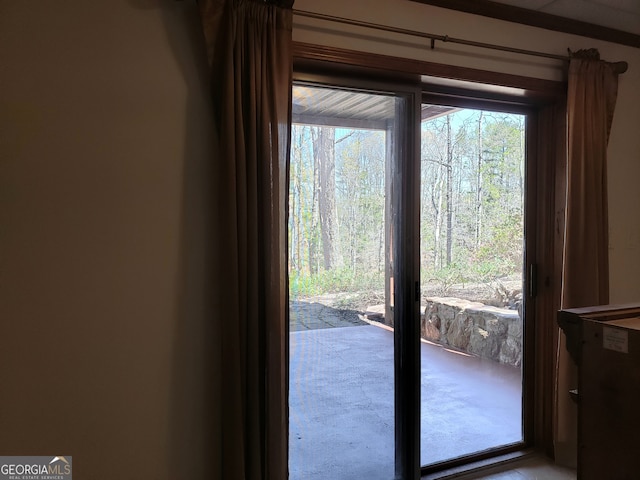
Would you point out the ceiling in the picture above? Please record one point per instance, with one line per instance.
(349, 109)
(621, 15)
(338, 108)
(615, 21)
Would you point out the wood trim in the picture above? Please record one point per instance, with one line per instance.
(534, 18)
(550, 155)
(305, 54)
(547, 162)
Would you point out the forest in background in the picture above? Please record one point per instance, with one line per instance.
(471, 204)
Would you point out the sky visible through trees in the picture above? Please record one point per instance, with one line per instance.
(471, 203)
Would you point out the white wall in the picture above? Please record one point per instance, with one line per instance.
(624, 147)
(105, 135)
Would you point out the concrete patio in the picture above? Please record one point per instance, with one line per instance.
(341, 401)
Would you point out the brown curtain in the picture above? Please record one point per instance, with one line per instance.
(250, 51)
(591, 99)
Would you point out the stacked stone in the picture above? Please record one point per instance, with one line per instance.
(474, 328)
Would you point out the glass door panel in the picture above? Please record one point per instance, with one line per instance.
(341, 221)
(471, 244)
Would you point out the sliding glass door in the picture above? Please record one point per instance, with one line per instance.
(472, 217)
(406, 277)
(349, 276)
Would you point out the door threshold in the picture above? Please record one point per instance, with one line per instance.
(488, 466)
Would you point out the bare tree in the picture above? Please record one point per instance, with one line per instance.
(478, 219)
(449, 190)
(324, 153)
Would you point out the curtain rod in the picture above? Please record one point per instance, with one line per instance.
(619, 67)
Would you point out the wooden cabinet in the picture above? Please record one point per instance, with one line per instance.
(604, 342)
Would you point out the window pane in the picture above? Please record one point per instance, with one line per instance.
(341, 418)
(471, 243)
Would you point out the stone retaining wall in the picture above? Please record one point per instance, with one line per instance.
(475, 328)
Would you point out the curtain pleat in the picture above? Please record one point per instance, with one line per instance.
(592, 92)
(249, 47)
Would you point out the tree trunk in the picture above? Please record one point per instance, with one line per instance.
(324, 153)
(437, 206)
(478, 232)
(449, 194)
(313, 233)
